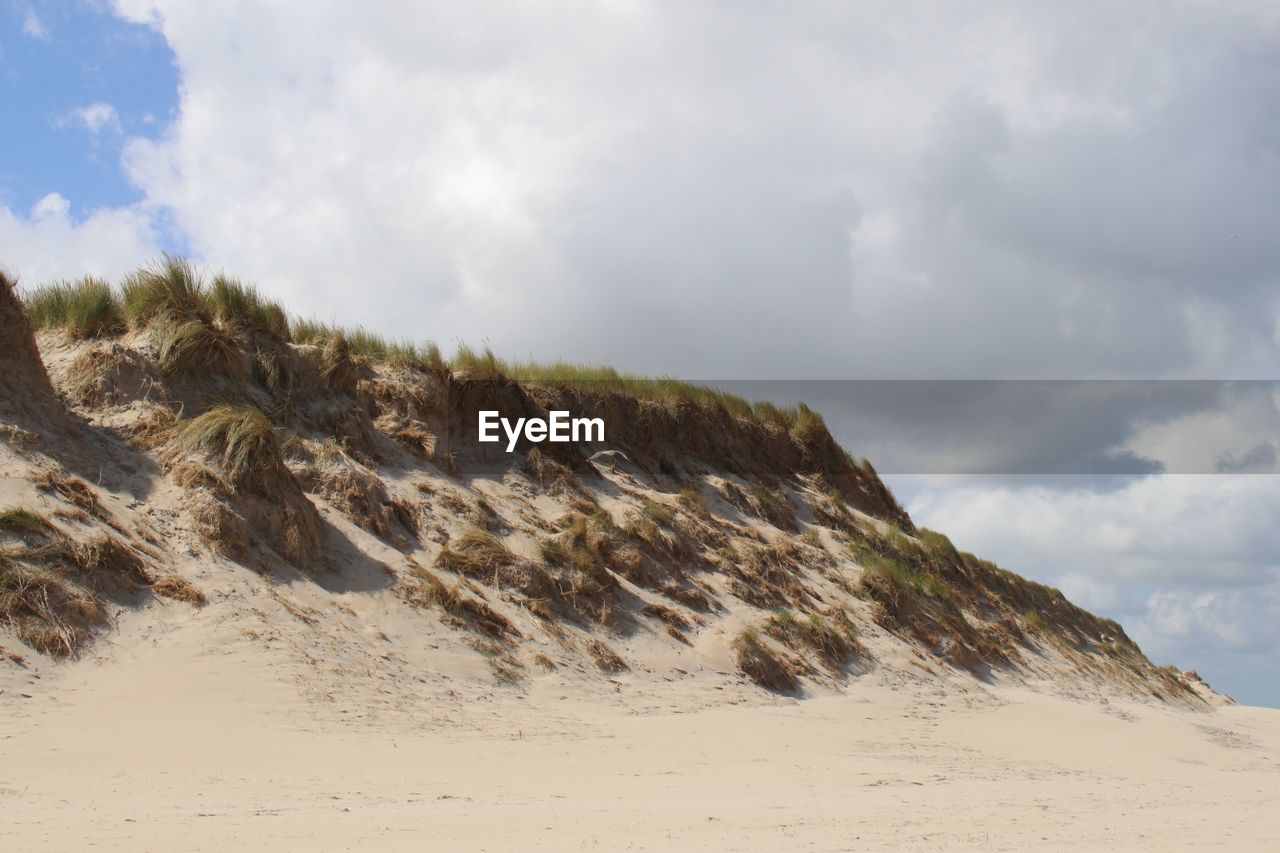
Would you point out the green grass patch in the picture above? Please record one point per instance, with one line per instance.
(87, 308)
(241, 306)
(170, 287)
(376, 349)
(912, 582)
(939, 545)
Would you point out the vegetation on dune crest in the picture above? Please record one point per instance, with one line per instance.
(200, 316)
(241, 306)
(87, 308)
(361, 343)
(170, 286)
(483, 364)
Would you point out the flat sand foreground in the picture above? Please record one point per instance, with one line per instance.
(145, 755)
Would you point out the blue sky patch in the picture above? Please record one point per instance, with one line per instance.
(76, 83)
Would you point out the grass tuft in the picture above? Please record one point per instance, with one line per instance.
(605, 658)
(47, 612)
(190, 349)
(362, 343)
(478, 364)
(84, 309)
(178, 588)
(168, 287)
(242, 307)
(761, 664)
(20, 520)
(239, 437)
(878, 568)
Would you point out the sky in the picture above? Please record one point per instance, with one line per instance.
(752, 191)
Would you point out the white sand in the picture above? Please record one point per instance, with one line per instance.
(166, 746)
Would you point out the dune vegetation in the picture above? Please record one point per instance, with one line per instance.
(195, 315)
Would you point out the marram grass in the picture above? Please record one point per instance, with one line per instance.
(87, 308)
(239, 438)
(199, 318)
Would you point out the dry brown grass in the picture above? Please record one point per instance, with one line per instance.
(831, 511)
(45, 610)
(423, 588)
(271, 370)
(832, 636)
(770, 575)
(338, 367)
(410, 435)
(178, 588)
(358, 493)
(49, 583)
(20, 439)
(193, 349)
(193, 475)
(693, 501)
(71, 489)
(153, 428)
(605, 658)
(550, 475)
(580, 557)
(483, 515)
(479, 554)
(674, 620)
(767, 503)
(220, 526)
(106, 564)
(88, 376)
(757, 661)
(690, 596)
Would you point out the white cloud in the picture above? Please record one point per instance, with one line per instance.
(51, 244)
(816, 189)
(1190, 529)
(32, 26)
(97, 117)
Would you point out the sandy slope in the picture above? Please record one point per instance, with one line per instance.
(178, 743)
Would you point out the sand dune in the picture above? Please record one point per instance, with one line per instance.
(321, 619)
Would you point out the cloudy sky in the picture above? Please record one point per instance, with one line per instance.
(750, 190)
